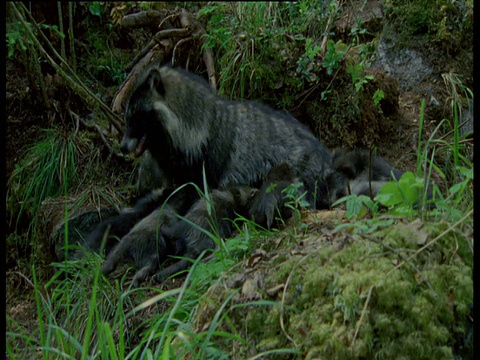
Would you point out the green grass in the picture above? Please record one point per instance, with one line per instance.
(47, 169)
(238, 33)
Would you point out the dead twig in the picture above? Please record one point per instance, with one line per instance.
(327, 28)
(157, 54)
(188, 21)
(179, 43)
(167, 18)
(209, 63)
(92, 125)
(369, 296)
(283, 300)
(142, 18)
(407, 260)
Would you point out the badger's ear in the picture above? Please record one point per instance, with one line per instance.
(155, 82)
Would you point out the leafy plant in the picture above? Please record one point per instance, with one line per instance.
(305, 64)
(95, 8)
(15, 37)
(358, 77)
(295, 199)
(116, 73)
(402, 196)
(357, 206)
(378, 96)
(334, 54)
(256, 46)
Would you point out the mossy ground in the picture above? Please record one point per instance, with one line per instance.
(337, 295)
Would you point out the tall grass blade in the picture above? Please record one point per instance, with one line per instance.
(420, 136)
(213, 325)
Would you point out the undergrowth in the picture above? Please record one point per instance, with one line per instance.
(239, 32)
(291, 56)
(447, 23)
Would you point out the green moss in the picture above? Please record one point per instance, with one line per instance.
(448, 23)
(328, 289)
(417, 17)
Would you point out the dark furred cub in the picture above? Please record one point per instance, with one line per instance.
(357, 168)
(270, 199)
(215, 216)
(145, 246)
(118, 226)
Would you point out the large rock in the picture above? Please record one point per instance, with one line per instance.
(406, 65)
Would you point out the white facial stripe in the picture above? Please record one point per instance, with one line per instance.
(187, 138)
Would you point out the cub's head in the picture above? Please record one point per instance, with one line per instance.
(143, 130)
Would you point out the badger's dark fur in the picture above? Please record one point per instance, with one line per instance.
(270, 199)
(366, 176)
(214, 215)
(118, 226)
(145, 246)
(163, 233)
(188, 128)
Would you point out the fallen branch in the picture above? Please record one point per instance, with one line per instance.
(161, 35)
(369, 296)
(92, 125)
(157, 54)
(282, 326)
(179, 43)
(188, 21)
(142, 18)
(167, 18)
(159, 47)
(209, 63)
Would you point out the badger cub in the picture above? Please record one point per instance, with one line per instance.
(215, 216)
(365, 177)
(270, 199)
(145, 245)
(164, 233)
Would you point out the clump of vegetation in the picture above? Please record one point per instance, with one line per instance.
(48, 185)
(296, 61)
(48, 169)
(238, 33)
(448, 23)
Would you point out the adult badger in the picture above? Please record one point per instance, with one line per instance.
(191, 132)
(185, 126)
